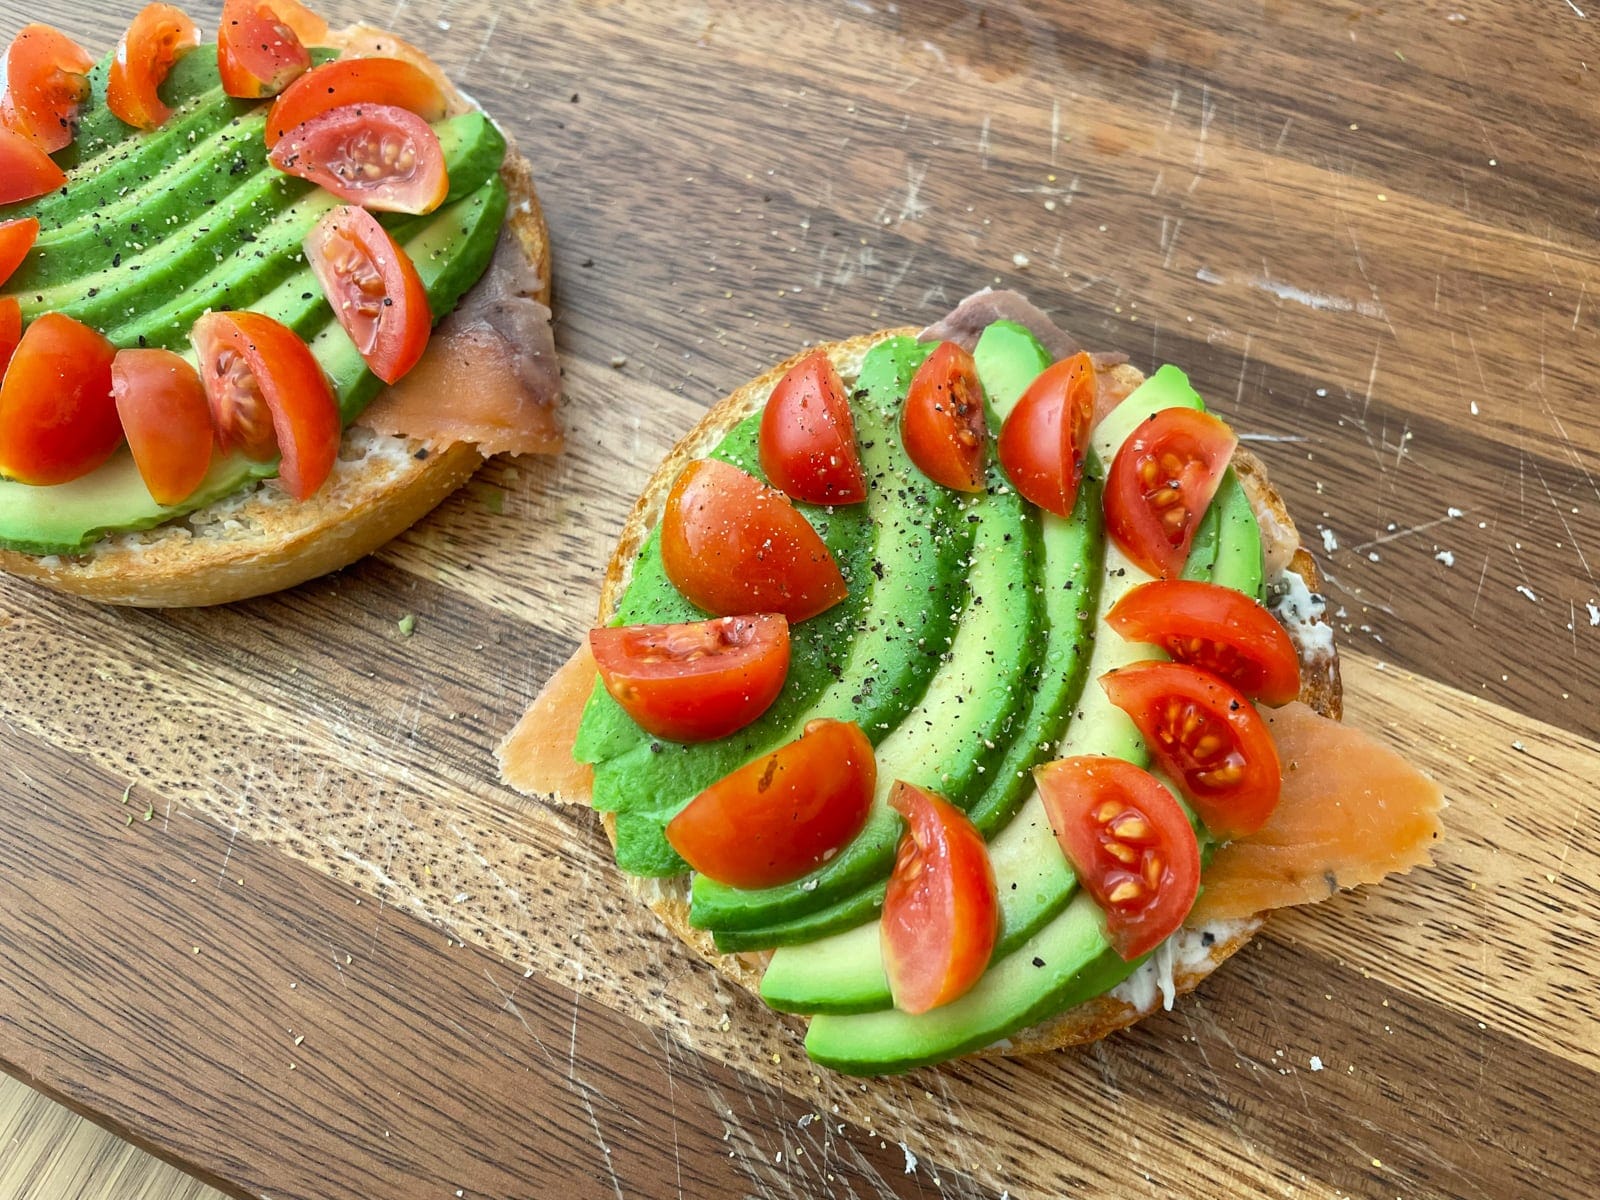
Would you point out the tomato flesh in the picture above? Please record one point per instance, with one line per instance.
(10, 330)
(373, 288)
(309, 27)
(696, 681)
(16, 239)
(1217, 629)
(375, 155)
(733, 545)
(268, 396)
(258, 52)
(1130, 844)
(1161, 483)
(26, 172)
(159, 36)
(355, 81)
(163, 410)
(776, 819)
(1208, 737)
(941, 912)
(1044, 438)
(46, 81)
(943, 426)
(808, 436)
(57, 418)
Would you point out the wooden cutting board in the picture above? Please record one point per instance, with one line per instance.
(319, 951)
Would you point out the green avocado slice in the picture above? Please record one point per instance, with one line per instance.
(844, 974)
(1065, 573)
(880, 663)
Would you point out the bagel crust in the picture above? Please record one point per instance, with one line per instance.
(1200, 951)
(260, 540)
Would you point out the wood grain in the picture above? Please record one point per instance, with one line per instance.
(1369, 236)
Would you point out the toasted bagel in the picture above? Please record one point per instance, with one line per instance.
(259, 539)
(669, 898)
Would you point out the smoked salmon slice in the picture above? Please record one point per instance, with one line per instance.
(1352, 811)
(536, 756)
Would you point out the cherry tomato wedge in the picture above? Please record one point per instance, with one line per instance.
(268, 396)
(697, 681)
(10, 330)
(373, 288)
(375, 155)
(1161, 484)
(46, 81)
(733, 545)
(159, 36)
(808, 437)
(1216, 629)
(1044, 438)
(943, 426)
(941, 912)
(25, 170)
(778, 818)
(258, 52)
(16, 239)
(359, 81)
(1130, 843)
(164, 413)
(57, 418)
(1207, 737)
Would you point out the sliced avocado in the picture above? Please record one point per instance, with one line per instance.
(1009, 358)
(451, 248)
(1065, 570)
(1062, 965)
(886, 662)
(844, 973)
(177, 255)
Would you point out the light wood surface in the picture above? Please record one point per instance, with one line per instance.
(1368, 233)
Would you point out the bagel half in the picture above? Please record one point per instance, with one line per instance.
(259, 539)
(1201, 952)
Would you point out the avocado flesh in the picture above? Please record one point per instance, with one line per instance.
(1065, 573)
(864, 661)
(845, 974)
(451, 248)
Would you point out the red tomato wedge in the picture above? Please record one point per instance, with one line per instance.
(696, 681)
(268, 396)
(808, 437)
(46, 81)
(355, 81)
(10, 330)
(375, 155)
(733, 545)
(26, 172)
(164, 414)
(778, 818)
(941, 912)
(258, 52)
(1216, 629)
(1130, 843)
(159, 36)
(1044, 438)
(943, 426)
(16, 239)
(373, 289)
(1161, 484)
(57, 418)
(1206, 736)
